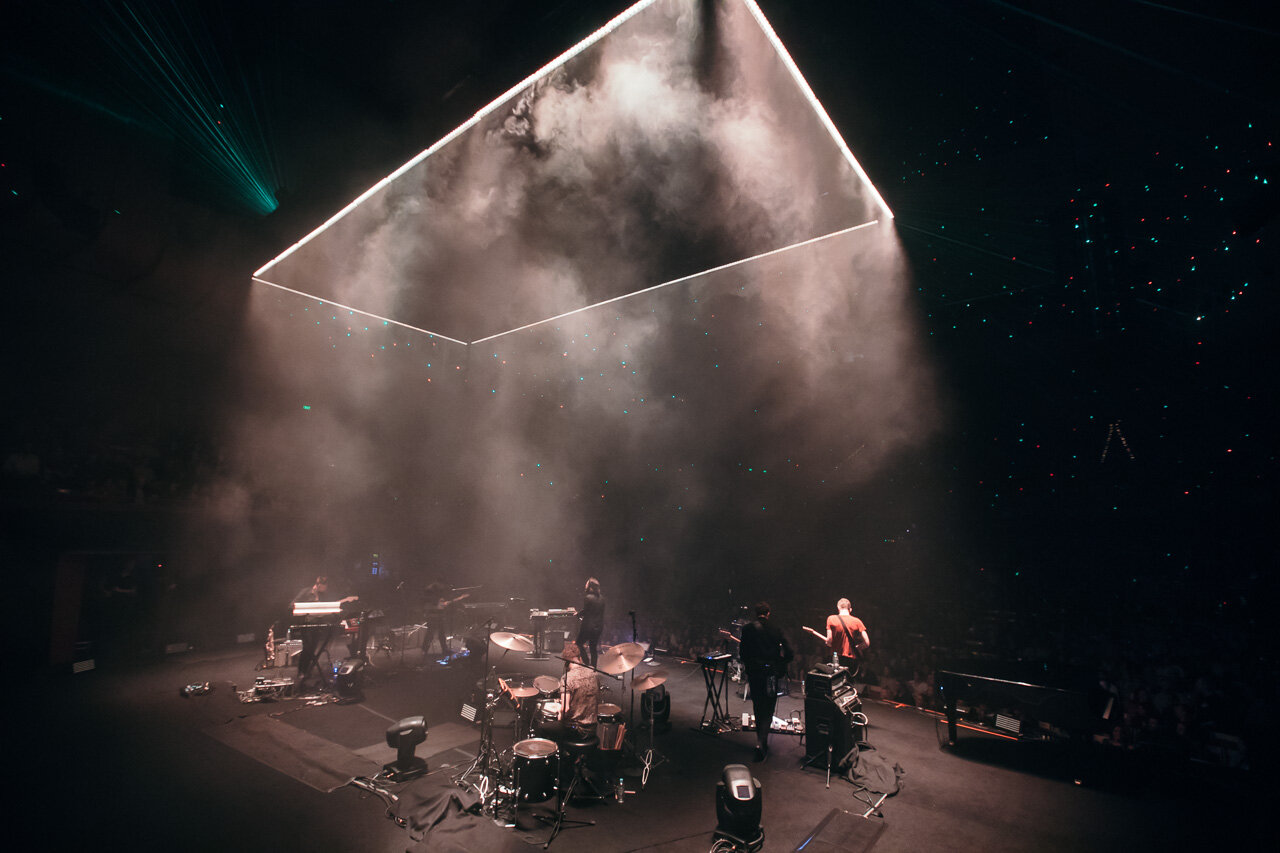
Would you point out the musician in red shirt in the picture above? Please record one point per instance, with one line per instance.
(846, 635)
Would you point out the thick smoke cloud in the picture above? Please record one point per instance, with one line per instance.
(738, 430)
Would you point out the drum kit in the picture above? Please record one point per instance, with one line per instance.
(545, 751)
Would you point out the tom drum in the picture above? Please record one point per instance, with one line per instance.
(546, 715)
(537, 766)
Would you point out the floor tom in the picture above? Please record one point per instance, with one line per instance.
(536, 767)
(609, 726)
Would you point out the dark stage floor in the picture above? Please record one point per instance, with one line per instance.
(120, 759)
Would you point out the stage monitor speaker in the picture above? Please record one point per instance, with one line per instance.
(825, 725)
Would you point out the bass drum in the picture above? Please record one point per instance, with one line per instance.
(537, 767)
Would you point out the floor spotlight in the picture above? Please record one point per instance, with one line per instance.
(739, 805)
(403, 736)
(655, 705)
(346, 680)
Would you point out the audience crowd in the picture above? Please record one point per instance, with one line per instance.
(1150, 693)
(142, 474)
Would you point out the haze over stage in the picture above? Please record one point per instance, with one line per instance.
(675, 140)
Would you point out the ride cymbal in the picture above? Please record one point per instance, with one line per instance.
(514, 642)
(621, 658)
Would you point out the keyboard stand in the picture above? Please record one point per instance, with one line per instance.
(715, 672)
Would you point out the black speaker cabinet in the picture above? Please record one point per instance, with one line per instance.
(826, 725)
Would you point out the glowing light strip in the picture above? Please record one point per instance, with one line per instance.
(324, 301)
(848, 230)
(493, 105)
(813, 101)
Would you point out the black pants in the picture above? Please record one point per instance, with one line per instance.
(764, 699)
(436, 630)
(589, 643)
(315, 641)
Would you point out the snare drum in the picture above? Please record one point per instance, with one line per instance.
(537, 766)
(546, 714)
(609, 726)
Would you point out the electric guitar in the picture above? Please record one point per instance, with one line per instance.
(857, 646)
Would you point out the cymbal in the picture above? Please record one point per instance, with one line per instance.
(546, 684)
(621, 658)
(514, 642)
(650, 680)
(522, 692)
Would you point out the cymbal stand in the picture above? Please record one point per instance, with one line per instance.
(560, 822)
(486, 757)
(652, 758)
(486, 766)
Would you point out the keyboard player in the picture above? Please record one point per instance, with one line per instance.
(316, 630)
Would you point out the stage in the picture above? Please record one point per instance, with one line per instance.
(123, 759)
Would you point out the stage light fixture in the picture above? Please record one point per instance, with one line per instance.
(346, 680)
(403, 736)
(739, 806)
(655, 705)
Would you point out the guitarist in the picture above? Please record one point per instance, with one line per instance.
(846, 636)
(439, 611)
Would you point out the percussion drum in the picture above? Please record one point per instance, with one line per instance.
(537, 767)
(609, 726)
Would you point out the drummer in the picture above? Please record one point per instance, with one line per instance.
(579, 692)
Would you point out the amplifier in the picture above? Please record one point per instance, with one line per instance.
(825, 680)
(286, 652)
(848, 700)
(828, 731)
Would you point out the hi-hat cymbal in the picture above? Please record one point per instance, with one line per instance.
(546, 684)
(650, 680)
(514, 642)
(621, 658)
(522, 692)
